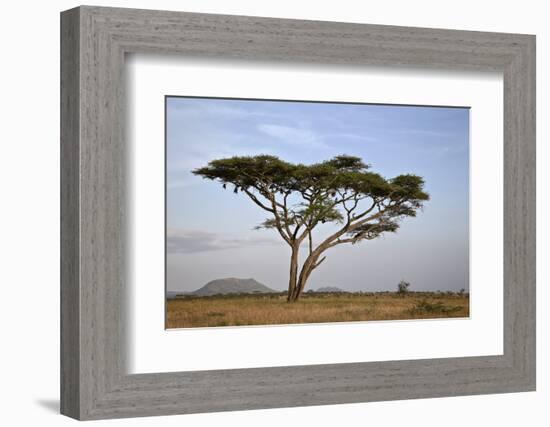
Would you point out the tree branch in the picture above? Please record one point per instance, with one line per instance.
(272, 210)
(318, 263)
(256, 200)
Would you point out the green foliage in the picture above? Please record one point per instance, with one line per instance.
(269, 173)
(403, 287)
(330, 191)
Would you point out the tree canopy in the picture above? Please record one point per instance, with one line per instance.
(298, 197)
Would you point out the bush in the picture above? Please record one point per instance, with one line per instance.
(403, 287)
(425, 307)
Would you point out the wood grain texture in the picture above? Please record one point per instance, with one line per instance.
(70, 220)
(94, 272)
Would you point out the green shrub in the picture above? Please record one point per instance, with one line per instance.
(403, 287)
(426, 307)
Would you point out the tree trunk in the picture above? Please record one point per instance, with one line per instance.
(293, 274)
(309, 265)
(304, 276)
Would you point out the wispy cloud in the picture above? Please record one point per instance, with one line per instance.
(199, 108)
(436, 142)
(423, 132)
(192, 241)
(350, 135)
(292, 135)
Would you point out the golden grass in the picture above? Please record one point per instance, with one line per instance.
(272, 309)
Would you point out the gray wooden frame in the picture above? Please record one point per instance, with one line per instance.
(94, 41)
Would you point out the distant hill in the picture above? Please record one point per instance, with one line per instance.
(329, 289)
(232, 285)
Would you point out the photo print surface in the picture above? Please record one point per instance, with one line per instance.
(293, 212)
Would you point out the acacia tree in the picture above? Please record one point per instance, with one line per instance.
(341, 191)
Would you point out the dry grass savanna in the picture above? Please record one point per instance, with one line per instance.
(273, 309)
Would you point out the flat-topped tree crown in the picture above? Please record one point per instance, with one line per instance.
(342, 190)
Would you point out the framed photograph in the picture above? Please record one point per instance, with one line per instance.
(293, 168)
(261, 213)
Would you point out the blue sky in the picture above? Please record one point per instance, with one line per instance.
(210, 232)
